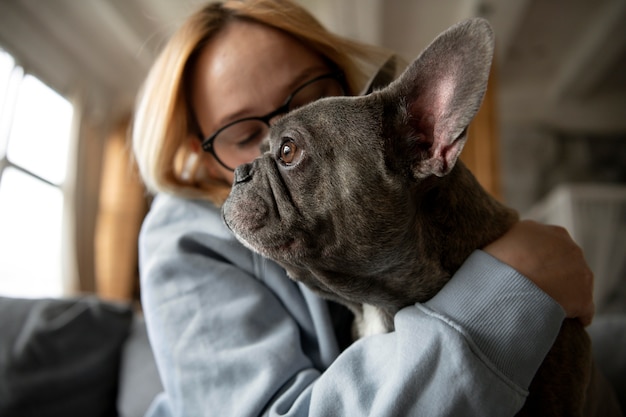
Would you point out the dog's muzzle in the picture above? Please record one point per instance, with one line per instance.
(243, 173)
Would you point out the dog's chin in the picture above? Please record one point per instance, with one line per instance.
(260, 235)
(286, 249)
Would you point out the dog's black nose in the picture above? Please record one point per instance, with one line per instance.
(243, 173)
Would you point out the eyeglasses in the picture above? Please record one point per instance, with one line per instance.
(239, 142)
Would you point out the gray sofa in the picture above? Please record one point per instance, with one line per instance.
(74, 357)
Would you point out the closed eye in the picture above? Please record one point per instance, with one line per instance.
(253, 139)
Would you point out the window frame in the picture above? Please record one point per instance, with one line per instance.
(68, 274)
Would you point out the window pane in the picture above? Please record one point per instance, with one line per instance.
(6, 67)
(40, 134)
(30, 236)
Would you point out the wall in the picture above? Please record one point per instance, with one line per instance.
(536, 159)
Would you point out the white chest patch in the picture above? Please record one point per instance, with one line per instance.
(372, 322)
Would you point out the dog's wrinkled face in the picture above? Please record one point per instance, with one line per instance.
(335, 198)
(307, 202)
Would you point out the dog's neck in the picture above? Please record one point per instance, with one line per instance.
(457, 216)
(460, 217)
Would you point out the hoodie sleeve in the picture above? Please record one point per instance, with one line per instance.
(228, 344)
(472, 350)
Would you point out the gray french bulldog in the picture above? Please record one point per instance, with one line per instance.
(364, 200)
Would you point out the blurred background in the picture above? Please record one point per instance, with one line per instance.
(70, 201)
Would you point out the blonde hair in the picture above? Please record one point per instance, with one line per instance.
(163, 123)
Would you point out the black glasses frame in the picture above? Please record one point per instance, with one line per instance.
(207, 142)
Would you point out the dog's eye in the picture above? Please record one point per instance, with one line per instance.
(289, 152)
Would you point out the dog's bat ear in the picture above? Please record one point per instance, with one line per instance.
(441, 92)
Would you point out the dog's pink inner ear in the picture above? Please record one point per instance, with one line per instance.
(429, 108)
(443, 89)
(444, 92)
(438, 127)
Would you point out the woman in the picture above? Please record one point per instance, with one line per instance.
(232, 335)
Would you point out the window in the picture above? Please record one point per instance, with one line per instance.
(35, 133)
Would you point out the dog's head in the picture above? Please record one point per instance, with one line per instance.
(336, 196)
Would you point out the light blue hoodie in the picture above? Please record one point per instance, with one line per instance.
(234, 336)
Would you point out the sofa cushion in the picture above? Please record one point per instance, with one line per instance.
(60, 357)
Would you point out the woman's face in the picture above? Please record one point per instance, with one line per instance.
(246, 70)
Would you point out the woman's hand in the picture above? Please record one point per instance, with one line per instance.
(548, 256)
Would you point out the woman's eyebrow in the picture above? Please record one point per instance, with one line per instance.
(304, 76)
